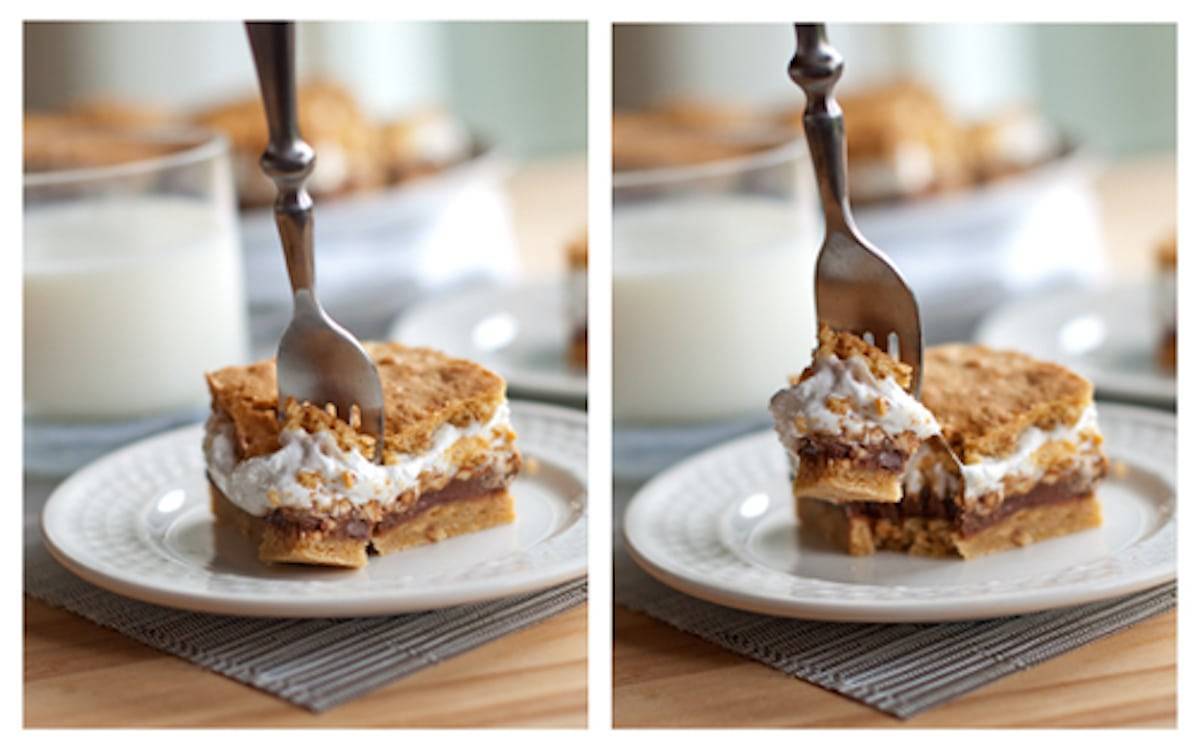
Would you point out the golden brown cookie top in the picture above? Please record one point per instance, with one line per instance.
(846, 345)
(984, 398)
(423, 390)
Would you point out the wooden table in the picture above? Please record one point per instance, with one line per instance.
(665, 678)
(78, 674)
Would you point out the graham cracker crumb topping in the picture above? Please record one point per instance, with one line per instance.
(423, 390)
(845, 345)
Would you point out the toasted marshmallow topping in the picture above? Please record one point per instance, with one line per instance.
(844, 397)
(311, 471)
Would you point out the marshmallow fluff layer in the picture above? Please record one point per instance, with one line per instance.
(261, 483)
(989, 474)
(870, 402)
(992, 474)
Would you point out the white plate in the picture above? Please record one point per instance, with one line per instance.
(720, 526)
(520, 331)
(137, 522)
(1107, 335)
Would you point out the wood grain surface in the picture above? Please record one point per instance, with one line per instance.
(665, 678)
(78, 674)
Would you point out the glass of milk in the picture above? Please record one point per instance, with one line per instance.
(132, 291)
(712, 296)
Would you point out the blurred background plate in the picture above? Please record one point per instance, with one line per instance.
(1108, 334)
(969, 251)
(521, 331)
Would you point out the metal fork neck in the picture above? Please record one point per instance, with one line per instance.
(288, 160)
(816, 68)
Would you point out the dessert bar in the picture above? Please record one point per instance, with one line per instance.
(1026, 433)
(302, 486)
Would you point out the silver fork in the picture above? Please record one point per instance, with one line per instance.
(858, 289)
(318, 360)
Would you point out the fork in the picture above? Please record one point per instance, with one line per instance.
(858, 289)
(318, 361)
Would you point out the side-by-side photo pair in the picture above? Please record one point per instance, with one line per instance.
(893, 375)
(891, 381)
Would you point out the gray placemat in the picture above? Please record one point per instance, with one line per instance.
(316, 664)
(898, 668)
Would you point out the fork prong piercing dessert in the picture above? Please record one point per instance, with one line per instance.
(848, 423)
(302, 486)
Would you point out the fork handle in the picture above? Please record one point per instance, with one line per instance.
(288, 160)
(816, 68)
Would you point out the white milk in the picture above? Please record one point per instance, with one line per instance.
(128, 301)
(712, 305)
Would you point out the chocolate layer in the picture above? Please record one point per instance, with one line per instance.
(291, 520)
(354, 525)
(458, 489)
(885, 455)
(1042, 494)
(926, 505)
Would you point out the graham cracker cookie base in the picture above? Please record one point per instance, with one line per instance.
(840, 482)
(935, 537)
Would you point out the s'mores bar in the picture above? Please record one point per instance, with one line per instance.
(848, 423)
(577, 302)
(685, 133)
(1165, 282)
(901, 142)
(330, 120)
(69, 141)
(1027, 436)
(303, 486)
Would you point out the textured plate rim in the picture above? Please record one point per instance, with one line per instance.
(913, 611)
(531, 382)
(301, 605)
(1160, 391)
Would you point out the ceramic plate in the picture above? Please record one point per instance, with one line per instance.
(720, 526)
(520, 331)
(137, 522)
(1108, 335)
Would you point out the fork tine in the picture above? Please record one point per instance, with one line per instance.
(858, 289)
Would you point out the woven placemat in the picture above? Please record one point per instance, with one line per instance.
(899, 668)
(315, 664)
